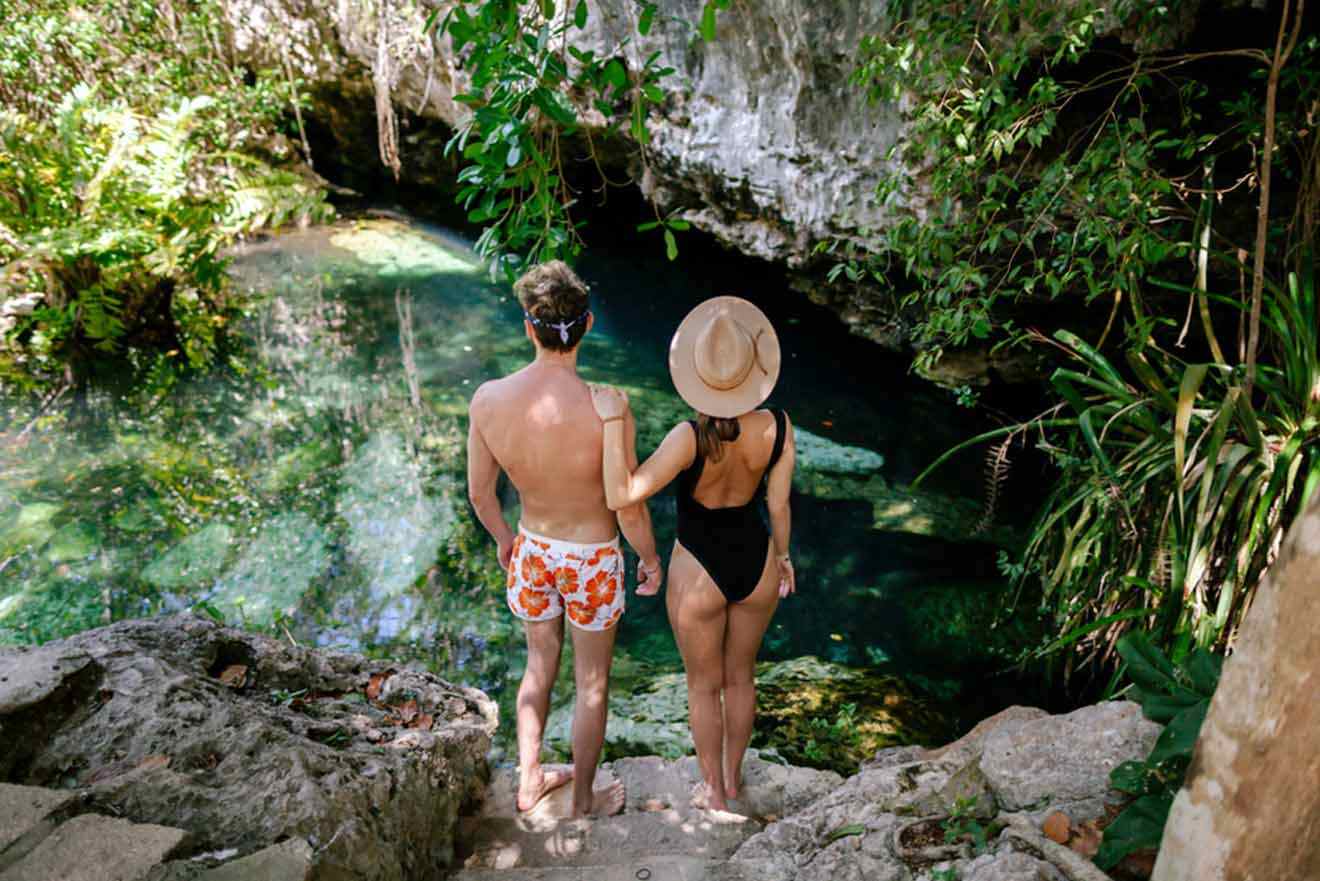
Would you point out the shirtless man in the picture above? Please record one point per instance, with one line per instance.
(539, 425)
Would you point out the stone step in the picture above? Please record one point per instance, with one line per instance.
(667, 868)
(27, 815)
(516, 842)
(95, 848)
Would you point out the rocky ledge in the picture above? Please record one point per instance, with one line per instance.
(1024, 793)
(180, 747)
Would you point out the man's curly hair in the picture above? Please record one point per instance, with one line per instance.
(553, 294)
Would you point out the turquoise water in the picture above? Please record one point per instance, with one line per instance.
(314, 488)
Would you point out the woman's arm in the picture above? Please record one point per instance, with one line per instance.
(623, 486)
(777, 492)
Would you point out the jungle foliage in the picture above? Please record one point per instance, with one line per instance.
(532, 91)
(1176, 190)
(132, 151)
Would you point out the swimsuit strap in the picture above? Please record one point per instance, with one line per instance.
(781, 418)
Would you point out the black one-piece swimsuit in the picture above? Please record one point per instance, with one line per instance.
(729, 543)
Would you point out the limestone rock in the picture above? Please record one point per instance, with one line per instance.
(1010, 865)
(95, 848)
(28, 812)
(1063, 762)
(1248, 807)
(267, 753)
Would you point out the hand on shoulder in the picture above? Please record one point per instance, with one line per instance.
(611, 403)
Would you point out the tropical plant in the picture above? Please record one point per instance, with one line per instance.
(1037, 167)
(1177, 697)
(1176, 484)
(531, 91)
(131, 156)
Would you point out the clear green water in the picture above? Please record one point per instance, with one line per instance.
(316, 491)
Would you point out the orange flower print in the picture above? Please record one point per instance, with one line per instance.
(534, 571)
(566, 580)
(533, 603)
(513, 576)
(601, 588)
(613, 619)
(601, 554)
(517, 546)
(581, 613)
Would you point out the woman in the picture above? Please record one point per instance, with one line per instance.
(727, 573)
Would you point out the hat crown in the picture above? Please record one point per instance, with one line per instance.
(724, 353)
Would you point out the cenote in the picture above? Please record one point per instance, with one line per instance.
(314, 487)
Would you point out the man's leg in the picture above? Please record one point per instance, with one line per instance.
(593, 652)
(545, 643)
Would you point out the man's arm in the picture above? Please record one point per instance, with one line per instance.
(483, 472)
(635, 523)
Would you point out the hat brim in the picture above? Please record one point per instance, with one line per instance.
(752, 391)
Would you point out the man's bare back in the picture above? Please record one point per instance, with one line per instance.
(541, 427)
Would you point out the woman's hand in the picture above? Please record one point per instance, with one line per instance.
(611, 403)
(787, 578)
(649, 577)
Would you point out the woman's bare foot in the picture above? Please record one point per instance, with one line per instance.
(732, 782)
(537, 784)
(605, 801)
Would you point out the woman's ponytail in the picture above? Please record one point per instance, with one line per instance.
(713, 433)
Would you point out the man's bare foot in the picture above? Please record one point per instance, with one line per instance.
(705, 798)
(605, 801)
(536, 785)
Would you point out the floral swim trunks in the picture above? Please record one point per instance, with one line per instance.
(548, 577)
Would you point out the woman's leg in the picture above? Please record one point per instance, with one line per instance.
(697, 612)
(746, 625)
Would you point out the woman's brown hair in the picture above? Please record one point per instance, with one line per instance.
(712, 433)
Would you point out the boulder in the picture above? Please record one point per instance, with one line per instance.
(244, 741)
(1063, 762)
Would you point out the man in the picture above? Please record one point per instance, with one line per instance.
(539, 425)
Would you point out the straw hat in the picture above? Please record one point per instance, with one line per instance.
(724, 357)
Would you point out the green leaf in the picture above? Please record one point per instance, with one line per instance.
(1164, 707)
(1130, 777)
(1179, 737)
(1139, 827)
(515, 155)
(671, 245)
(644, 23)
(647, 227)
(707, 25)
(1146, 665)
(1203, 669)
(616, 74)
(846, 832)
(580, 14)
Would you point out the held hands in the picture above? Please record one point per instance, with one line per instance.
(649, 578)
(787, 578)
(611, 403)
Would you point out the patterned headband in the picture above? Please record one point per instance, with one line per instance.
(562, 326)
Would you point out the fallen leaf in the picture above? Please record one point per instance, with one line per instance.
(152, 762)
(654, 804)
(408, 711)
(827, 423)
(1141, 865)
(234, 675)
(846, 832)
(105, 772)
(1086, 839)
(424, 721)
(1056, 827)
(377, 681)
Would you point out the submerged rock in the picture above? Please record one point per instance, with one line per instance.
(244, 741)
(808, 712)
